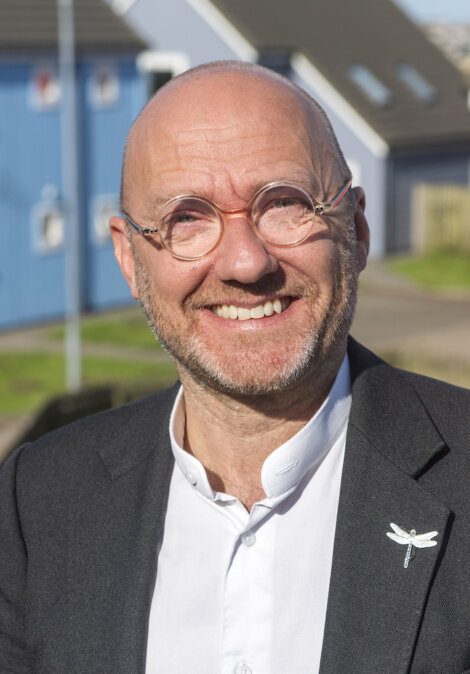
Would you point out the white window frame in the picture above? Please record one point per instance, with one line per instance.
(39, 213)
(101, 235)
(155, 61)
(35, 100)
(93, 94)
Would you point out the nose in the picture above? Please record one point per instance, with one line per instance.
(241, 255)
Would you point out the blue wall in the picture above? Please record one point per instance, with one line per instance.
(104, 133)
(32, 280)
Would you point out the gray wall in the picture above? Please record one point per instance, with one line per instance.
(372, 170)
(173, 25)
(442, 166)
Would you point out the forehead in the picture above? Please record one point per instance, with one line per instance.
(225, 137)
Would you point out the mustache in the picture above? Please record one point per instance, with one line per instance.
(271, 285)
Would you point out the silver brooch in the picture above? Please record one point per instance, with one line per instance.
(412, 540)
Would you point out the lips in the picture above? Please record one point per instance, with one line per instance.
(234, 312)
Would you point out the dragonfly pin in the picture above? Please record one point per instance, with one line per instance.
(412, 540)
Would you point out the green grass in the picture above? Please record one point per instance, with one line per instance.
(28, 379)
(449, 370)
(444, 269)
(128, 329)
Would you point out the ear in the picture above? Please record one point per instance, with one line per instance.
(362, 228)
(123, 252)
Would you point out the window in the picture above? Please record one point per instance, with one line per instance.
(104, 86)
(161, 66)
(370, 85)
(45, 87)
(157, 79)
(276, 59)
(48, 228)
(103, 208)
(416, 83)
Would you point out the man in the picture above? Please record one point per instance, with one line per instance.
(240, 523)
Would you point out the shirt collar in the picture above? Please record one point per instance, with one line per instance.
(285, 466)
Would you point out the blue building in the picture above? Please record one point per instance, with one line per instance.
(111, 91)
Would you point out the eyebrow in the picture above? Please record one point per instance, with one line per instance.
(153, 202)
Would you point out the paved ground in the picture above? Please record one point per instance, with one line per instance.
(419, 330)
(395, 316)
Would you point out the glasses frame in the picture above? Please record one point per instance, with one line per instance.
(319, 208)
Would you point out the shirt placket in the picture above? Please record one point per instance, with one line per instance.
(247, 615)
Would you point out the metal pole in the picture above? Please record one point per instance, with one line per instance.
(73, 347)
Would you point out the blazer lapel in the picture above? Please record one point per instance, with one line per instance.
(114, 543)
(375, 604)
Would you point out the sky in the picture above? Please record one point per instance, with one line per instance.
(431, 10)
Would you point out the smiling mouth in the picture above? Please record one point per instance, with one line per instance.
(235, 313)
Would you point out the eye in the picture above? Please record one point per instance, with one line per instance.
(284, 214)
(190, 227)
(183, 217)
(285, 202)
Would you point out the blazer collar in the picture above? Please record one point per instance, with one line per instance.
(135, 430)
(387, 410)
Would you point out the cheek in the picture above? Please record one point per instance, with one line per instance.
(317, 262)
(173, 281)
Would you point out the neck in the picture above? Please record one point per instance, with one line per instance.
(233, 435)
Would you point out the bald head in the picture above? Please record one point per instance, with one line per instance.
(210, 112)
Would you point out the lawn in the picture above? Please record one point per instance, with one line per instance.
(128, 328)
(439, 270)
(28, 379)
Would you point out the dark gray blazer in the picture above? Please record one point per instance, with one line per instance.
(82, 513)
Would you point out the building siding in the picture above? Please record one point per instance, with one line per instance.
(30, 283)
(370, 170)
(176, 26)
(443, 166)
(32, 280)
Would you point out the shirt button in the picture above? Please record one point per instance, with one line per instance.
(248, 539)
(242, 668)
(192, 478)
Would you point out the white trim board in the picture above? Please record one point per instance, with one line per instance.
(225, 30)
(160, 61)
(305, 69)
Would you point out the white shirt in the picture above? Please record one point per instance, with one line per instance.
(246, 593)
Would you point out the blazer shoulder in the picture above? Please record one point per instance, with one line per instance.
(447, 405)
(77, 449)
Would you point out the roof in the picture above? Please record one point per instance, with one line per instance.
(375, 34)
(32, 25)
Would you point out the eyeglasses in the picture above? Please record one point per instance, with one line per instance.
(281, 213)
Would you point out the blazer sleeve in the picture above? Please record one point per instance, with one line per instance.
(13, 574)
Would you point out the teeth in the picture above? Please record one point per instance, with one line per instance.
(257, 312)
(268, 309)
(277, 306)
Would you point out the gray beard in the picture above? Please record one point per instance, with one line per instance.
(324, 347)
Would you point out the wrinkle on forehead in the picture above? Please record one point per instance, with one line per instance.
(206, 121)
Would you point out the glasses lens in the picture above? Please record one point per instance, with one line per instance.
(284, 214)
(190, 227)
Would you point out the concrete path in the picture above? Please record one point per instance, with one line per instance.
(395, 316)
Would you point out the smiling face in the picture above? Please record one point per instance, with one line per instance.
(248, 318)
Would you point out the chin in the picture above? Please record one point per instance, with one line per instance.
(246, 373)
